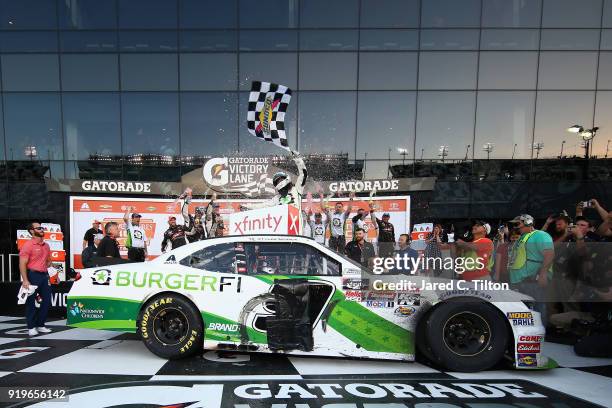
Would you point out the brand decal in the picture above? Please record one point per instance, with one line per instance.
(18, 352)
(531, 339)
(170, 260)
(528, 347)
(79, 309)
(404, 311)
(379, 303)
(101, 277)
(226, 327)
(178, 281)
(527, 360)
(407, 299)
(521, 318)
(127, 186)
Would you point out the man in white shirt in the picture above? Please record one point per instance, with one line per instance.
(136, 242)
(318, 227)
(337, 240)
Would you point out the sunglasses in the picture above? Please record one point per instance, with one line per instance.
(38, 228)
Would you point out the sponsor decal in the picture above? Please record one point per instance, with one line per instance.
(521, 318)
(248, 225)
(79, 309)
(106, 206)
(407, 299)
(174, 281)
(116, 186)
(101, 277)
(379, 303)
(144, 331)
(404, 311)
(365, 185)
(151, 208)
(381, 295)
(85, 207)
(355, 283)
(226, 327)
(237, 173)
(170, 260)
(527, 360)
(531, 339)
(528, 347)
(355, 295)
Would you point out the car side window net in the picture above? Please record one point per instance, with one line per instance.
(288, 259)
(215, 258)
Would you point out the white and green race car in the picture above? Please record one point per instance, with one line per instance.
(289, 294)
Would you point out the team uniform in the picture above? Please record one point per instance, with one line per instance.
(177, 235)
(136, 242)
(386, 237)
(317, 231)
(337, 241)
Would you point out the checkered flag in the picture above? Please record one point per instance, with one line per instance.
(267, 108)
(256, 188)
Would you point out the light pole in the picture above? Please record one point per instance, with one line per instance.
(443, 152)
(537, 147)
(422, 150)
(403, 151)
(561, 154)
(30, 151)
(467, 150)
(513, 151)
(586, 134)
(607, 147)
(389, 164)
(488, 147)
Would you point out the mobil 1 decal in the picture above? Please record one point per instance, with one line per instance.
(391, 393)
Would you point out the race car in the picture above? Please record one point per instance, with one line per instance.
(291, 295)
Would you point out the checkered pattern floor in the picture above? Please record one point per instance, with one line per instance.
(82, 357)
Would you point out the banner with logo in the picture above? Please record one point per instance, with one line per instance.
(155, 214)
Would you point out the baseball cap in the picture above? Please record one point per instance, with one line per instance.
(136, 215)
(172, 217)
(96, 222)
(386, 215)
(486, 225)
(524, 218)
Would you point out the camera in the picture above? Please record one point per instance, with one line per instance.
(586, 204)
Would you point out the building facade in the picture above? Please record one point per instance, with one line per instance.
(141, 89)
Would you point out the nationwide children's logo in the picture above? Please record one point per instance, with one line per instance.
(79, 309)
(521, 318)
(101, 277)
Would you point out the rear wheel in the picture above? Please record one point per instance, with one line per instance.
(464, 336)
(171, 327)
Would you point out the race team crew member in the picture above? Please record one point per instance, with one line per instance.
(136, 242)
(34, 259)
(213, 222)
(89, 253)
(386, 235)
(359, 222)
(404, 250)
(318, 227)
(176, 234)
(337, 241)
(108, 250)
(88, 239)
(360, 250)
(480, 247)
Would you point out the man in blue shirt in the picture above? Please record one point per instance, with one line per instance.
(411, 254)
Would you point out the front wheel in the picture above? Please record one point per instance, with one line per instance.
(171, 327)
(464, 336)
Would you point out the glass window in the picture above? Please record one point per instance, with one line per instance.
(567, 70)
(381, 40)
(288, 259)
(601, 145)
(606, 40)
(149, 123)
(27, 14)
(148, 41)
(555, 112)
(87, 14)
(28, 41)
(252, 145)
(91, 124)
(389, 13)
(450, 13)
(578, 39)
(268, 40)
(504, 13)
(207, 14)
(30, 72)
(571, 13)
(508, 70)
(447, 70)
(387, 70)
(322, 13)
(215, 258)
(328, 40)
(444, 119)
(147, 14)
(323, 71)
(505, 119)
(33, 120)
(208, 72)
(449, 39)
(385, 121)
(511, 39)
(268, 13)
(327, 122)
(195, 41)
(2, 157)
(89, 72)
(604, 80)
(88, 41)
(155, 72)
(607, 14)
(257, 67)
(208, 123)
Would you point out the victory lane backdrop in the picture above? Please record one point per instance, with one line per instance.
(155, 213)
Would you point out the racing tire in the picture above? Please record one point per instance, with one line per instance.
(171, 327)
(464, 336)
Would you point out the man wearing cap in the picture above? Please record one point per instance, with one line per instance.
(531, 261)
(89, 253)
(213, 222)
(480, 249)
(88, 239)
(386, 235)
(136, 242)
